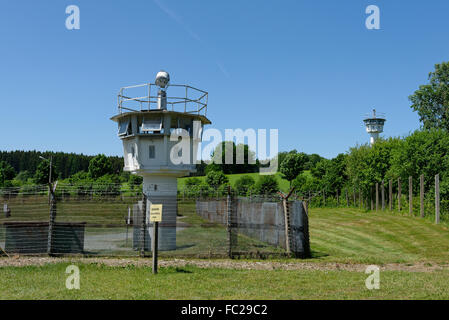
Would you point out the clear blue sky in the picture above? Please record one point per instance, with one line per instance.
(308, 68)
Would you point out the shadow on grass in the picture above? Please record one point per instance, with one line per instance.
(317, 254)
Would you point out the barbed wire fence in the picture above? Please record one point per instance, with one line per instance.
(108, 220)
(416, 197)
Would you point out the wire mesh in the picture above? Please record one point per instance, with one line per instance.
(96, 223)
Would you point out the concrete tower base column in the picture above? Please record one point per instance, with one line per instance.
(163, 190)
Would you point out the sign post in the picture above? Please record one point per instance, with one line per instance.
(155, 217)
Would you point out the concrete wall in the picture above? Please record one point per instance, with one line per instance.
(264, 221)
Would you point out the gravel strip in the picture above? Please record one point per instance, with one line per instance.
(22, 261)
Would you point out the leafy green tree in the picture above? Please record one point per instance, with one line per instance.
(312, 161)
(431, 101)
(423, 152)
(305, 182)
(244, 184)
(100, 166)
(7, 173)
(43, 171)
(281, 156)
(293, 165)
(267, 185)
(216, 178)
(368, 165)
(228, 149)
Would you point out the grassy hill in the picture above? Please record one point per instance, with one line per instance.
(350, 235)
(283, 184)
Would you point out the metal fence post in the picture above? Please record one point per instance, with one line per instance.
(437, 199)
(421, 195)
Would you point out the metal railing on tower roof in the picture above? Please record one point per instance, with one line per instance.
(180, 98)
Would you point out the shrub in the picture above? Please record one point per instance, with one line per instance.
(107, 185)
(243, 185)
(216, 178)
(267, 185)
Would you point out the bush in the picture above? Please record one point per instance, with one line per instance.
(81, 183)
(267, 185)
(107, 185)
(192, 182)
(216, 178)
(135, 180)
(243, 185)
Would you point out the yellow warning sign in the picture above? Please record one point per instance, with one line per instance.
(156, 213)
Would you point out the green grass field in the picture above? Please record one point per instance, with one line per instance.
(346, 239)
(101, 282)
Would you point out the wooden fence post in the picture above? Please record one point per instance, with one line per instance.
(371, 198)
(360, 198)
(324, 198)
(354, 197)
(399, 194)
(437, 199)
(52, 219)
(347, 197)
(383, 195)
(338, 199)
(410, 195)
(421, 195)
(286, 225)
(390, 196)
(377, 196)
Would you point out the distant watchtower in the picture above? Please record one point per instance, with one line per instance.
(146, 120)
(374, 125)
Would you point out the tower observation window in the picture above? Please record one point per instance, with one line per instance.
(151, 125)
(124, 128)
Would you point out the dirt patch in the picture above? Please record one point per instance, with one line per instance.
(19, 261)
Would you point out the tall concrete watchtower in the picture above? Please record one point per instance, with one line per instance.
(150, 124)
(374, 125)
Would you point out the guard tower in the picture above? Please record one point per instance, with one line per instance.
(374, 125)
(152, 120)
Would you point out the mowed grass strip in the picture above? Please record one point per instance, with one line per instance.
(103, 282)
(351, 235)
